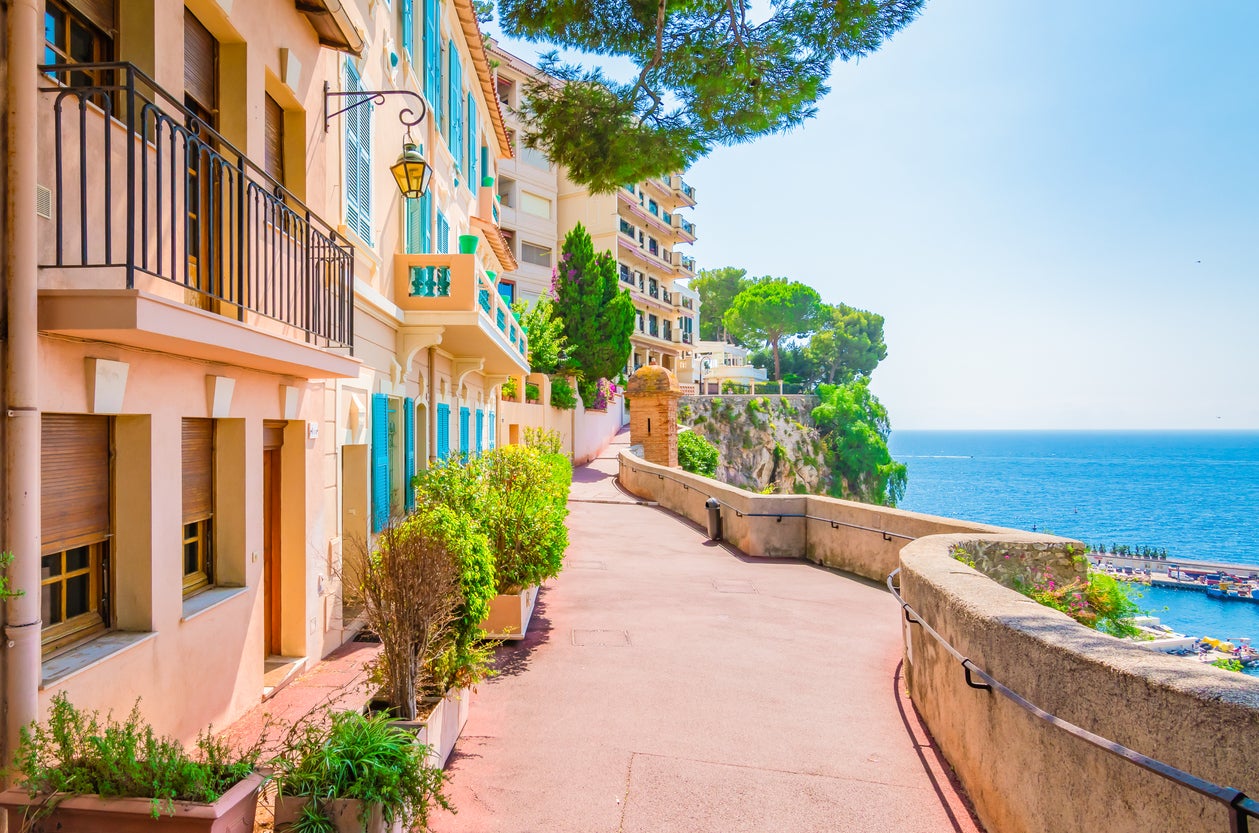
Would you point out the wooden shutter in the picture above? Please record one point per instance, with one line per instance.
(408, 29)
(474, 181)
(273, 133)
(74, 477)
(409, 472)
(358, 161)
(201, 63)
(100, 12)
(198, 469)
(433, 60)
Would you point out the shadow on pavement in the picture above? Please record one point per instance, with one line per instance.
(512, 656)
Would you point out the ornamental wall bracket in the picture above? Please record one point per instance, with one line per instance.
(463, 367)
(358, 98)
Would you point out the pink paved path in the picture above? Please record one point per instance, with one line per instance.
(668, 684)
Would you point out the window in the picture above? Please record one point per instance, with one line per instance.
(273, 136)
(419, 222)
(358, 161)
(507, 290)
(653, 207)
(625, 273)
(198, 489)
(535, 158)
(406, 22)
(74, 35)
(510, 236)
(653, 288)
(443, 432)
(653, 246)
(507, 192)
(465, 417)
(535, 205)
(535, 254)
(506, 88)
(432, 60)
(653, 325)
(76, 512)
(203, 196)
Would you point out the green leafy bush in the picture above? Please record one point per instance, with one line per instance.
(696, 454)
(526, 502)
(509, 388)
(367, 758)
(75, 752)
(562, 394)
(1228, 664)
(466, 659)
(544, 440)
(531, 392)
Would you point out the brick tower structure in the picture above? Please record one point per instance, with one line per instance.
(653, 392)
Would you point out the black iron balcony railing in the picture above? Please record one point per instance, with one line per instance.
(140, 182)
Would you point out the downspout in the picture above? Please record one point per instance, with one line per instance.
(432, 404)
(22, 429)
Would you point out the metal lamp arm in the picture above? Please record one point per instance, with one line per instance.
(407, 116)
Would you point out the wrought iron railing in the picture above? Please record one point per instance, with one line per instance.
(193, 209)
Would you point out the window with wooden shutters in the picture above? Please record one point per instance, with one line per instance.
(273, 134)
(406, 22)
(198, 492)
(358, 161)
(202, 197)
(76, 511)
(80, 32)
(474, 180)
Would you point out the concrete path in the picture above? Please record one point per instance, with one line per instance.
(669, 684)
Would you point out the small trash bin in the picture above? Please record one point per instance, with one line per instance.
(714, 519)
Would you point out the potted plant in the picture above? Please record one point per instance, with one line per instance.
(429, 574)
(509, 389)
(354, 773)
(522, 517)
(468, 244)
(78, 772)
(531, 393)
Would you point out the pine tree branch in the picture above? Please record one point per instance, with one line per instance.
(641, 84)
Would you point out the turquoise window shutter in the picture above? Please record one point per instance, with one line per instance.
(465, 416)
(473, 180)
(358, 161)
(409, 472)
(415, 236)
(452, 56)
(443, 234)
(493, 420)
(480, 430)
(443, 432)
(433, 59)
(426, 223)
(408, 28)
(380, 461)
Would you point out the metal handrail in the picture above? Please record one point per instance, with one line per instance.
(1240, 807)
(887, 535)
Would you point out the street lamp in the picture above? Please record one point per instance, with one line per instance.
(412, 171)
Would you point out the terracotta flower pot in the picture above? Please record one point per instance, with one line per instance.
(345, 813)
(232, 813)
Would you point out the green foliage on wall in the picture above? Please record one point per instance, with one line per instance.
(854, 426)
(562, 394)
(598, 315)
(696, 454)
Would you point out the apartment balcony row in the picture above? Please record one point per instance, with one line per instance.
(156, 232)
(664, 260)
(454, 299)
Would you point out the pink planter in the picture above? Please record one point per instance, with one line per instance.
(232, 813)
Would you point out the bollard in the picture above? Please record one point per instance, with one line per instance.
(714, 519)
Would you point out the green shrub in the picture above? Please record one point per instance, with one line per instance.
(466, 659)
(531, 392)
(526, 502)
(509, 388)
(1228, 664)
(562, 394)
(685, 414)
(353, 756)
(696, 454)
(588, 389)
(81, 753)
(544, 440)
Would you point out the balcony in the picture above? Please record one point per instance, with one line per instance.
(684, 229)
(629, 208)
(160, 234)
(684, 193)
(683, 265)
(686, 337)
(450, 296)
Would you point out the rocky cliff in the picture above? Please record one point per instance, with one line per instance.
(766, 442)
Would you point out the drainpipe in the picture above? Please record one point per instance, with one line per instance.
(22, 428)
(432, 404)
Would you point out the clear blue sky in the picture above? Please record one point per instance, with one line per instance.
(1054, 205)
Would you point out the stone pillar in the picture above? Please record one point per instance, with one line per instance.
(654, 392)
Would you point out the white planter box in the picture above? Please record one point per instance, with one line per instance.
(510, 614)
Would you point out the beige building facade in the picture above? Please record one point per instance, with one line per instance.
(229, 339)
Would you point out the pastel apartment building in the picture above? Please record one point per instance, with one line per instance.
(230, 338)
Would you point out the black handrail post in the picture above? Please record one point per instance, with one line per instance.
(131, 181)
(241, 235)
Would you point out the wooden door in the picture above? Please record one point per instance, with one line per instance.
(271, 550)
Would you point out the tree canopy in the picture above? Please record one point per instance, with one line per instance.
(717, 288)
(597, 314)
(547, 343)
(855, 427)
(769, 310)
(848, 343)
(708, 75)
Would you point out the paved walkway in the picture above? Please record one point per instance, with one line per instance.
(669, 684)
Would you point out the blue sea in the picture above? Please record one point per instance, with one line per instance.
(1195, 494)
